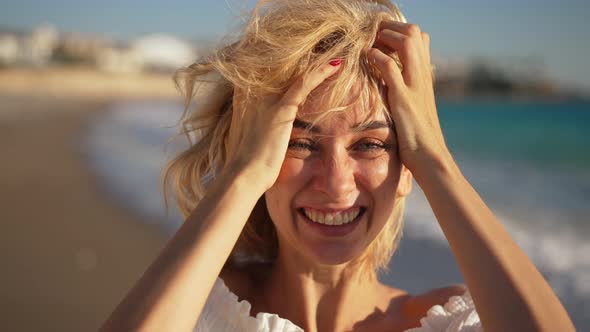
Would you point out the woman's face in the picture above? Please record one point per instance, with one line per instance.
(337, 173)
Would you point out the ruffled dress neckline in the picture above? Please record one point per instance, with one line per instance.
(223, 311)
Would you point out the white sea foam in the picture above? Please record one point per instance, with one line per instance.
(558, 250)
(545, 213)
(126, 146)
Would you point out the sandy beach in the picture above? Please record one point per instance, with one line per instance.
(69, 253)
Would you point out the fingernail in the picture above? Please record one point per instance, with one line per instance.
(335, 62)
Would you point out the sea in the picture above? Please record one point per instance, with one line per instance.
(529, 161)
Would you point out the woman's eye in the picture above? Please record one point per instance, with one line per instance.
(371, 146)
(302, 145)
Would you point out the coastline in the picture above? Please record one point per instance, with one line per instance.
(85, 83)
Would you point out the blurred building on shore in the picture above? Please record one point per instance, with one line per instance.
(153, 53)
(44, 46)
(503, 77)
(28, 48)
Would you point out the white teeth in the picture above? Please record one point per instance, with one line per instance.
(318, 217)
(329, 219)
(336, 219)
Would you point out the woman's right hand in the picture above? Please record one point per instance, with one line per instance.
(260, 129)
(172, 293)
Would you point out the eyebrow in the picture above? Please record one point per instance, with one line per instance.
(358, 127)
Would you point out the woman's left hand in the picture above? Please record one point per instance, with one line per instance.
(490, 260)
(410, 93)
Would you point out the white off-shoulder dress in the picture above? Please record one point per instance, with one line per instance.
(223, 312)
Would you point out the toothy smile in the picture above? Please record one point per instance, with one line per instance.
(332, 218)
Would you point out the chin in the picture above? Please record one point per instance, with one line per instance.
(333, 254)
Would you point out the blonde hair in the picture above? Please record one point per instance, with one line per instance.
(282, 40)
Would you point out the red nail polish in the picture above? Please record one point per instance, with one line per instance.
(335, 62)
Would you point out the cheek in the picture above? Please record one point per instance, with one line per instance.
(292, 170)
(382, 179)
(281, 194)
(381, 174)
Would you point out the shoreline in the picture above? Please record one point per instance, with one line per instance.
(89, 82)
(85, 83)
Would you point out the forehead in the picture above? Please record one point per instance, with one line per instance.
(357, 110)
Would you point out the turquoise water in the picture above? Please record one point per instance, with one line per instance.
(548, 135)
(528, 160)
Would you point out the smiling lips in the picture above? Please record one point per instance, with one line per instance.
(332, 218)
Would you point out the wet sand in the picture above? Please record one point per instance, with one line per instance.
(69, 253)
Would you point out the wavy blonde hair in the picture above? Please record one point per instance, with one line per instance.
(282, 40)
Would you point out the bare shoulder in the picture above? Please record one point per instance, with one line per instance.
(414, 307)
(403, 311)
(439, 296)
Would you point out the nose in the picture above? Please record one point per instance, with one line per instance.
(335, 176)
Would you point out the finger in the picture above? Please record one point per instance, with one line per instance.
(409, 50)
(389, 70)
(426, 42)
(299, 91)
(408, 29)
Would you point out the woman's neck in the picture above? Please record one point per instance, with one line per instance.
(318, 298)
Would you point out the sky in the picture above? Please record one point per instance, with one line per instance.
(554, 31)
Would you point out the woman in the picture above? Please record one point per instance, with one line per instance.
(313, 125)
